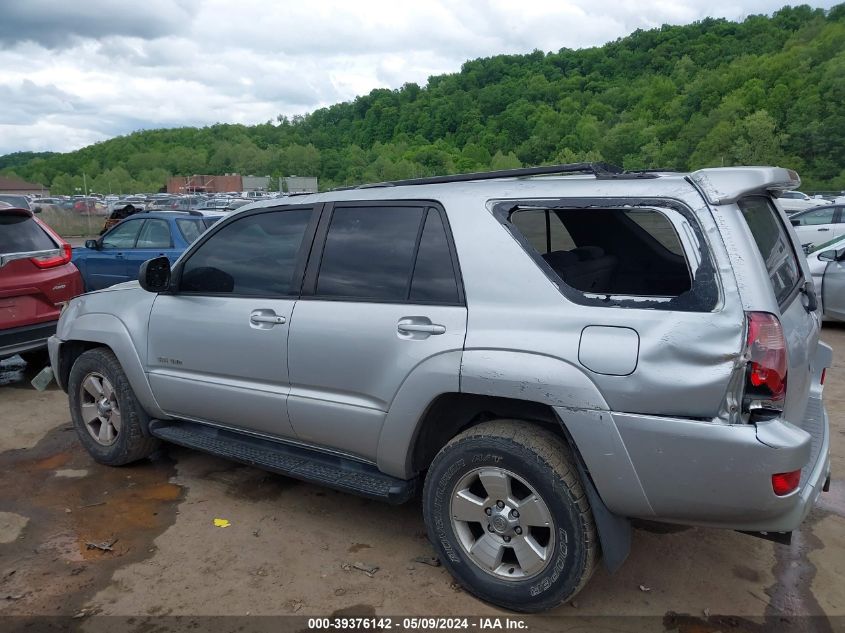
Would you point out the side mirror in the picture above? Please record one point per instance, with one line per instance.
(795, 222)
(832, 255)
(37, 210)
(94, 245)
(154, 275)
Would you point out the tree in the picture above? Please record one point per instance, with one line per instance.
(716, 92)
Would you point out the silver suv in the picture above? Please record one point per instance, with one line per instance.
(546, 353)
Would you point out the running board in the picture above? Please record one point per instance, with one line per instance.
(302, 463)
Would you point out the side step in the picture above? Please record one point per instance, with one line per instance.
(302, 463)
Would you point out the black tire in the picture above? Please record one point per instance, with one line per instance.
(131, 444)
(543, 460)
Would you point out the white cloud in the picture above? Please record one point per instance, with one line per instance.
(72, 73)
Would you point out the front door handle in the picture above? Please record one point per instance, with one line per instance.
(260, 317)
(425, 328)
(824, 229)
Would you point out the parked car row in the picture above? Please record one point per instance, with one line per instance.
(820, 224)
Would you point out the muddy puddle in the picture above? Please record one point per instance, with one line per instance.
(66, 522)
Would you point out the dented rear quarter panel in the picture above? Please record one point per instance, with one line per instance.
(523, 334)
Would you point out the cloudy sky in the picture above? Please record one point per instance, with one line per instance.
(76, 72)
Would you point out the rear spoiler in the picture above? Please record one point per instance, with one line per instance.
(15, 211)
(726, 185)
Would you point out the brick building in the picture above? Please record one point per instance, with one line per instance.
(21, 187)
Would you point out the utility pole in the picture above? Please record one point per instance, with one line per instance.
(87, 202)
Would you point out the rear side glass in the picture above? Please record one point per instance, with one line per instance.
(608, 251)
(191, 229)
(543, 229)
(659, 227)
(255, 256)
(774, 244)
(434, 273)
(369, 253)
(21, 234)
(816, 216)
(154, 234)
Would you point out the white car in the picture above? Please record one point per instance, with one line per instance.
(795, 201)
(819, 225)
(827, 267)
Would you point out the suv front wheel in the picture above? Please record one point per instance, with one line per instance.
(508, 516)
(105, 412)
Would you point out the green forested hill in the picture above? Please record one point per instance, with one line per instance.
(769, 90)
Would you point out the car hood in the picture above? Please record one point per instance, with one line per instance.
(126, 285)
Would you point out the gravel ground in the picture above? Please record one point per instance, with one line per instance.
(288, 545)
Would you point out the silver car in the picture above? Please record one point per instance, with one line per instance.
(827, 267)
(546, 353)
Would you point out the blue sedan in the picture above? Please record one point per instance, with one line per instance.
(118, 254)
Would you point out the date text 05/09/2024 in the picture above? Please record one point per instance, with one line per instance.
(417, 623)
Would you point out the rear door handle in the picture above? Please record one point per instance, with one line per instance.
(824, 229)
(426, 328)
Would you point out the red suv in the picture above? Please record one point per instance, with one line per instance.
(36, 279)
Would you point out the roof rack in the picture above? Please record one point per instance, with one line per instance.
(599, 170)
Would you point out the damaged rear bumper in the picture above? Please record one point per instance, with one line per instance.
(707, 474)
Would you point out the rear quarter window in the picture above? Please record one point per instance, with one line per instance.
(774, 244)
(634, 252)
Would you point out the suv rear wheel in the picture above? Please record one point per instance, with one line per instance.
(507, 513)
(105, 412)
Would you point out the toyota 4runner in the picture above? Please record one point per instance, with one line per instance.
(545, 353)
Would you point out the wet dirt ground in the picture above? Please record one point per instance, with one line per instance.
(77, 538)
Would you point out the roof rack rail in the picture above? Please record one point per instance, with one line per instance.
(599, 170)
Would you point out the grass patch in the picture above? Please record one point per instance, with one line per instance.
(68, 223)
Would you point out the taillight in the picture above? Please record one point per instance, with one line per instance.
(62, 257)
(784, 483)
(765, 350)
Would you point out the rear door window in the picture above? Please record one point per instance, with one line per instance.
(774, 245)
(434, 279)
(190, 229)
(154, 234)
(392, 254)
(21, 234)
(369, 253)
